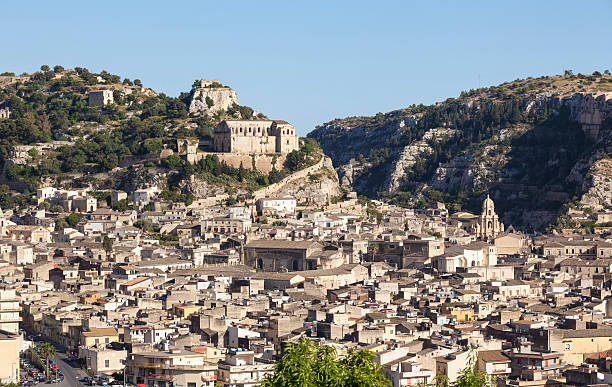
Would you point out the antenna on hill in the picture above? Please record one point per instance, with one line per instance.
(479, 81)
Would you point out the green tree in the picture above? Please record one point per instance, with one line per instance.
(305, 364)
(56, 208)
(144, 225)
(47, 351)
(120, 206)
(73, 219)
(172, 162)
(45, 68)
(44, 206)
(58, 69)
(107, 244)
(209, 102)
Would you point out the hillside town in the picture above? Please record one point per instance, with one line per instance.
(208, 294)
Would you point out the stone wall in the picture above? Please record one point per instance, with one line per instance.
(263, 163)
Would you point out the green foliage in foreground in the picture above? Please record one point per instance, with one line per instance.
(305, 364)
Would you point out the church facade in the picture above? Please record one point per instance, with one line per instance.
(255, 137)
(488, 225)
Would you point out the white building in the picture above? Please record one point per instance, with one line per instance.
(46, 193)
(240, 369)
(407, 373)
(9, 311)
(172, 367)
(144, 196)
(281, 205)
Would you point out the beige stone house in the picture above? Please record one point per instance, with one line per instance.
(255, 137)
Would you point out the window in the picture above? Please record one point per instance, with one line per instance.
(191, 385)
(568, 346)
(106, 363)
(106, 340)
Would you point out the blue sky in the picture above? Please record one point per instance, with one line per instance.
(310, 62)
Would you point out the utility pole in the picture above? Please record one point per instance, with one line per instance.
(125, 372)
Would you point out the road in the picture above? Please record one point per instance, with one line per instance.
(71, 370)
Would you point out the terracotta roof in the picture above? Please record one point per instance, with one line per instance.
(96, 332)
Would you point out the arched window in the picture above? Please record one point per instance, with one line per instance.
(260, 263)
(473, 263)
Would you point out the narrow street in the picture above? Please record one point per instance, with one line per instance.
(71, 370)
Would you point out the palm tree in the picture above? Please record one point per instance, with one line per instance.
(47, 351)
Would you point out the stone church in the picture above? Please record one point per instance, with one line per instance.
(488, 225)
(255, 137)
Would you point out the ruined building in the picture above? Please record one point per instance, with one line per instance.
(100, 97)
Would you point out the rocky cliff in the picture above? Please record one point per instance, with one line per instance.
(533, 143)
(208, 100)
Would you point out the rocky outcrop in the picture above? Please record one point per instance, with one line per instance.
(597, 187)
(411, 154)
(589, 109)
(318, 182)
(406, 160)
(210, 100)
(202, 189)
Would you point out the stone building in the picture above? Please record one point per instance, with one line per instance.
(285, 255)
(100, 97)
(9, 311)
(9, 348)
(5, 112)
(188, 147)
(488, 225)
(255, 137)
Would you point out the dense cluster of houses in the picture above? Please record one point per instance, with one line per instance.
(206, 295)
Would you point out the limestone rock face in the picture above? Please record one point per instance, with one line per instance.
(590, 110)
(411, 154)
(598, 187)
(315, 187)
(222, 98)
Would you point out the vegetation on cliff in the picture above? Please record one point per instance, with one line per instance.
(509, 139)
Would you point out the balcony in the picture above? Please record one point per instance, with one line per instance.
(530, 367)
(160, 377)
(169, 366)
(149, 365)
(502, 371)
